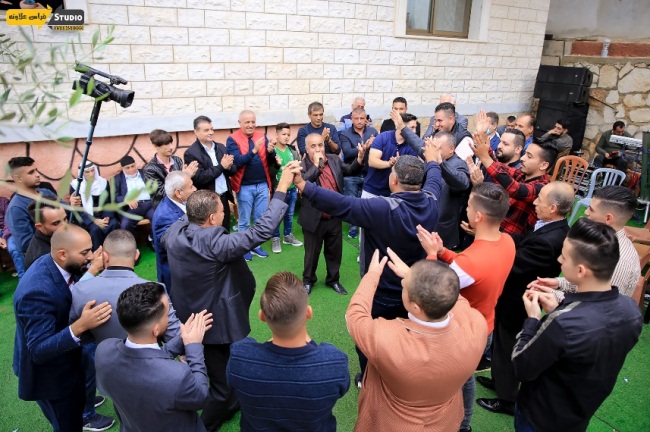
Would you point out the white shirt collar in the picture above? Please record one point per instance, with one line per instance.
(440, 324)
(180, 205)
(66, 275)
(134, 345)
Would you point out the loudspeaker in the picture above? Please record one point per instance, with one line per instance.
(565, 75)
(561, 92)
(549, 112)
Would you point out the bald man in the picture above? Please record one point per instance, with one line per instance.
(536, 256)
(252, 180)
(47, 353)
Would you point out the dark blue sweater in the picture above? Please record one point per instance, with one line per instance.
(388, 221)
(287, 389)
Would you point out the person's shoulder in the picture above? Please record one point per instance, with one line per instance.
(331, 351)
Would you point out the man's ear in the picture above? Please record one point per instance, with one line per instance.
(310, 313)
(261, 316)
(137, 254)
(38, 226)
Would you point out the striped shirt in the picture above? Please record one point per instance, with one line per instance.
(626, 274)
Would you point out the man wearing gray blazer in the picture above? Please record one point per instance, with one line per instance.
(120, 253)
(209, 272)
(137, 369)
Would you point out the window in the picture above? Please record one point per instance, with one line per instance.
(448, 18)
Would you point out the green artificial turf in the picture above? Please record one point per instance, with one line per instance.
(624, 410)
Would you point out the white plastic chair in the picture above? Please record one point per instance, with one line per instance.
(609, 177)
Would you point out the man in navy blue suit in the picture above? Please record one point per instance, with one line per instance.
(47, 354)
(178, 188)
(129, 180)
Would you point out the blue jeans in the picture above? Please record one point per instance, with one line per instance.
(352, 187)
(521, 421)
(292, 197)
(17, 256)
(252, 199)
(469, 393)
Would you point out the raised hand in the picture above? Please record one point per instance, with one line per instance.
(258, 144)
(377, 266)
(195, 327)
(361, 149)
(431, 150)
(397, 119)
(191, 168)
(467, 228)
(475, 173)
(227, 161)
(482, 122)
(531, 303)
(271, 145)
(430, 241)
(399, 267)
(546, 285)
(97, 264)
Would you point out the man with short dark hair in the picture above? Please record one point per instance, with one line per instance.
(559, 135)
(416, 365)
(135, 369)
(444, 119)
(568, 361)
(401, 107)
(536, 256)
(446, 99)
(316, 125)
(269, 376)
(127, 182)
(210, 272)
(346, 120)
(215, 165)
(493, 135)
(47, 352)
(48, 219)
(511, 144)
(610, 153)
(510, 124)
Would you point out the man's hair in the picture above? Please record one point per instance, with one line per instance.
(358, 111)
(280, 126)
(40, 206)
(19, 162)
(595, 245)
(174, 181)
(618, 124)
(491, 200)
(410, 172)
(549, 152)
(160, 137)
(407, 118)
(494, 117)
(449, 96)
(619, 200)
(284, 302)
(315, 106)
(434, 287)
(448, 137)
(565, 123)
(511, 118)
(532, 121)
(447, 107)
(120, 243)
(201, 119)
(140, 305)
(359, 98)
(520, 138)
(400, 99)
(561, 194)
(200, 205)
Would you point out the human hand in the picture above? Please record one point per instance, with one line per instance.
(102, 223)
(475, 173)
(133, 204)
(397, 119)
(316, 159)
(278, 160)
(75, 200)
(430, 241)
(361, 149)
(287, 177)
(227, 161)
(326, 134)
(195, 327)
(97, 263)
(392, 161)
(271, 145)
(191, 169)
(258, 144)
(481, 146)
(91, 317)
(3, 243)
(548, 301)
(369, 142)
(544, 284)
(482, 122)
(296, 169)
(376, 265)
(531, 303)
(467, 228)
(431, 150)
(399, 267)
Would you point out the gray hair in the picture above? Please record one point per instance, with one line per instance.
(359, 98)
(175, 181)
(448, 137)
(449, 96)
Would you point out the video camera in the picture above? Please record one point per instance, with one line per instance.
(101, 89)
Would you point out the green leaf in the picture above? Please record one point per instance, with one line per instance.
(76, 96)
(64, 138)
(8, 116)
(64, 185)
(40, 110)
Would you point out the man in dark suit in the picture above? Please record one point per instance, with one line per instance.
(178, 188)
(47, 220)
(129, 180)
(536, 256)
(120, 253)
(47, 354)
(210, 272)
(215, 165)
(136, 368)
(320, 228)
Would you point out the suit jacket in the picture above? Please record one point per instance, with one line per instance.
(536, 255)
(453, 199)
(165, 215)
(207, 173)
(39, 245)
(208, 271)
(107, 287)
(309, 216)
(173, 391)
(121, 188)
(47, 360)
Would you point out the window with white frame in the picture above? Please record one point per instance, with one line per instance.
(446, 18)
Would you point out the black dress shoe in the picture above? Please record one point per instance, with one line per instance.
(308, 288)
(485, 382)
(497, 406)
(338, 288)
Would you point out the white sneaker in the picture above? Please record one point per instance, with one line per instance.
(276, 247)
(291, 240)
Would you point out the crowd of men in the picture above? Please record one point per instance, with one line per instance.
(462, 239)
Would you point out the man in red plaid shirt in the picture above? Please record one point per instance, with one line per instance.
(522, 184)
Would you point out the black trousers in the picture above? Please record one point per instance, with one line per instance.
(328, 234)
(503, 371)
(222, 402)
(144, 209)
(66, 414)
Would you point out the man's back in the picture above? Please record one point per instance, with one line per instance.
(287, 388)
(569, 361)
(150, 390)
